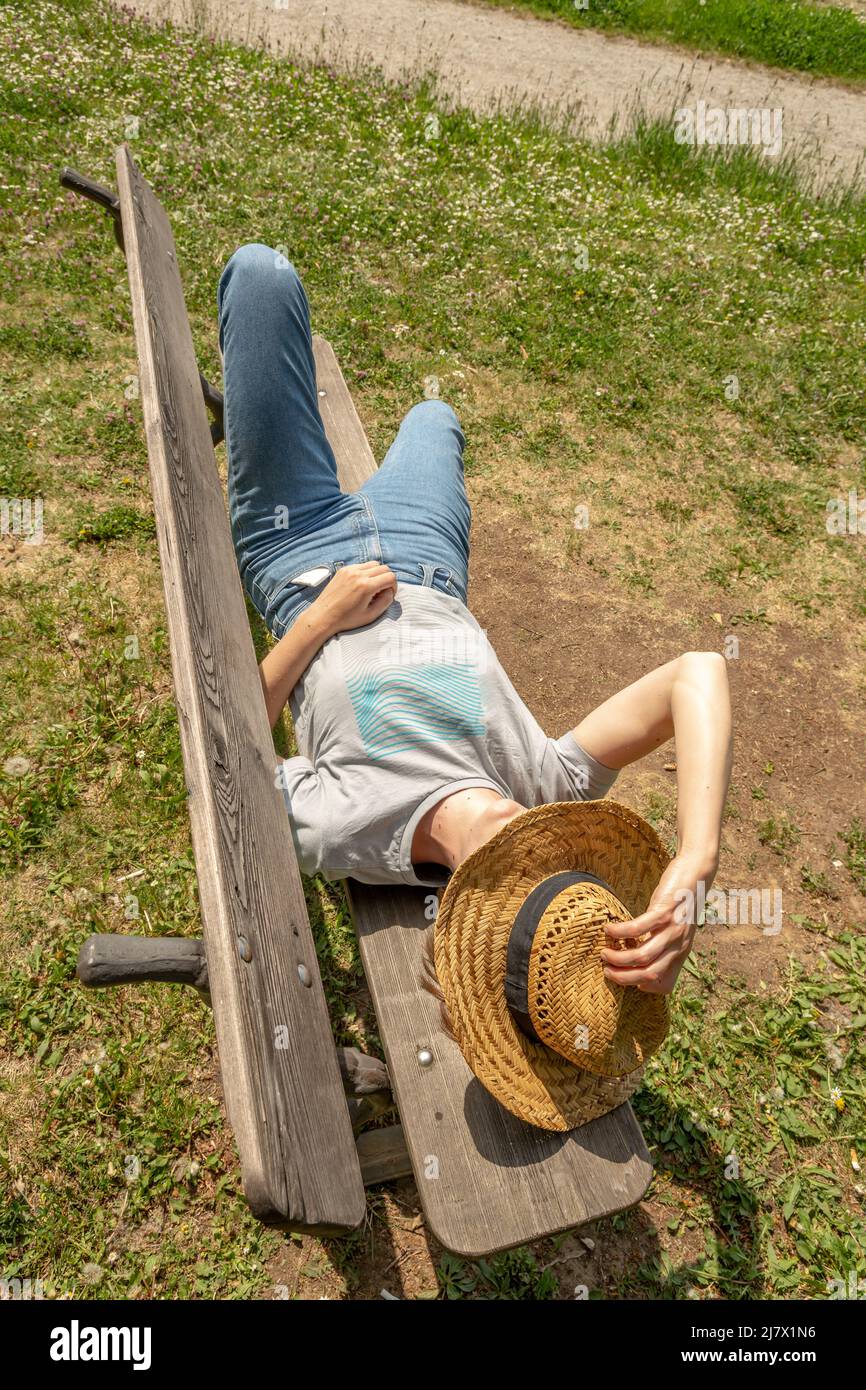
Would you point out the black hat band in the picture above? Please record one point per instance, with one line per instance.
(522, 936)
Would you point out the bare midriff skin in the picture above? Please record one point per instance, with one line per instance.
(685, 699)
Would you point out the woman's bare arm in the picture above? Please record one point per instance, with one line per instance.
(286, 662)
(688, 699)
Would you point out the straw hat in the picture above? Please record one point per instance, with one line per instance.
(516, 949)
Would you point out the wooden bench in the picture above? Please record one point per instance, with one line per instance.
(486, 1180)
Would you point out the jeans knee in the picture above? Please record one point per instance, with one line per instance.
(433, 411)
(255, 266)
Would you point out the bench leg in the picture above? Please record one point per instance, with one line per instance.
(128, 960)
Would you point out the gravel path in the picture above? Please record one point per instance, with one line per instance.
(483, 58)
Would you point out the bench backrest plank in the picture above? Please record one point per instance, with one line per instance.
(282, 1085)
(487, 1181)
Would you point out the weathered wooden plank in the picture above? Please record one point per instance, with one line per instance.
(279, 1068)
(355, 459)
(383, 1155)
(487, 1181)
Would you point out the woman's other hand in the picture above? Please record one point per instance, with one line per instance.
(653, 965)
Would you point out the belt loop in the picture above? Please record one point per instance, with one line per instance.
(427, 574)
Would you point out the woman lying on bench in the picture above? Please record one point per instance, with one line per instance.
(415, 748)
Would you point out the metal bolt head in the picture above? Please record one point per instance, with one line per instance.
(245, 951)
(425, 1057)
(304, 976)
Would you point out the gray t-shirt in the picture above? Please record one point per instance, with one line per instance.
(392, 717)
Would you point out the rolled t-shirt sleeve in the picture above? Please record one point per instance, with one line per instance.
(569, 773)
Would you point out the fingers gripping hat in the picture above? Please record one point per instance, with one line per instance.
(517, 953)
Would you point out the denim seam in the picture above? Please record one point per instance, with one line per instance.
(254, 584)
(373, 528)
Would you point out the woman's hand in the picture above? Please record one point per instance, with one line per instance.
(654, 964)
(357, 595)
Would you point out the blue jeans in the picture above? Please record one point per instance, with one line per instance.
(288, 514)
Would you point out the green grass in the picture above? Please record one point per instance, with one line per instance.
(114, 524)
(454, 258)
(780, 835)
(515, 1275)
(827, 41)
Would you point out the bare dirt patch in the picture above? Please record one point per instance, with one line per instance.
(569, 639)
